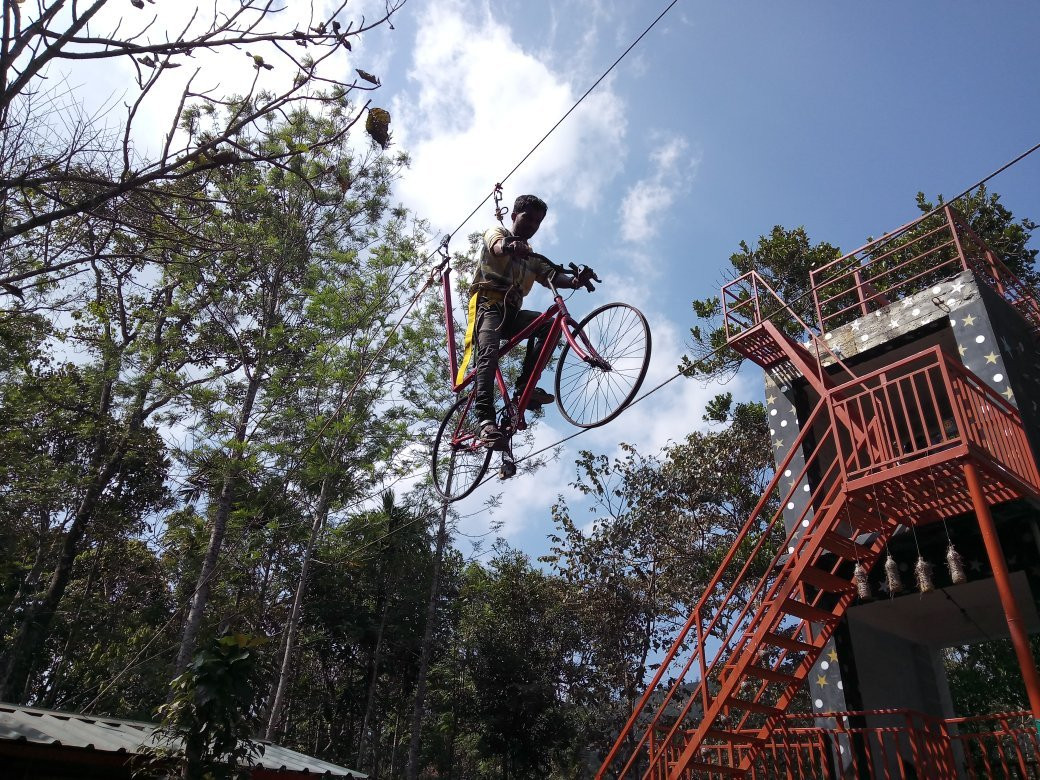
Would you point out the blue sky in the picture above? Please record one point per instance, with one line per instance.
(728, 119)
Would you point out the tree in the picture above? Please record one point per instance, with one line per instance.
(208, 724)
(296, 285)
(661, 527)
(783, 259)
(65, 169)
(87, 432)
(996, 225)
(985, 678)
(506, 695)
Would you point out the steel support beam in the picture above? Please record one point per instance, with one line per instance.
(1016, 626)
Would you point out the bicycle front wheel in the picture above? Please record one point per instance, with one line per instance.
(593, 390)
(459, 459)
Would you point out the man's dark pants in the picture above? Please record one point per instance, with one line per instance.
(495, 321)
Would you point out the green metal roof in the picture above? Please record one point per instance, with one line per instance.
(115, 735)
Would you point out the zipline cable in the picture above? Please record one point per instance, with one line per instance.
(577, 103)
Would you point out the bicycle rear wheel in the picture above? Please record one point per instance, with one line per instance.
(594, 390)
(459, 459)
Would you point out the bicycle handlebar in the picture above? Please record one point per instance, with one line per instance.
(586, 274)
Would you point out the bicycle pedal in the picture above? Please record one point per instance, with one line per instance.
(507, 469)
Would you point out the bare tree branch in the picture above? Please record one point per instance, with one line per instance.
(63, 165)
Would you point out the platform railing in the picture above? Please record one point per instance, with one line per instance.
(897, 744)
(908, 261)
(925, 407)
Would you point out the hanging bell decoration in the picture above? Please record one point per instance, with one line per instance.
(923, 569)
(859, 578)
(892, 578)
(955, 564)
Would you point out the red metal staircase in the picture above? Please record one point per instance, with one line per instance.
(879, 450)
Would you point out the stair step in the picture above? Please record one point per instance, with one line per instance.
(736, 737)
(807, 612)
(770, 674)
(845, 547)
(824, 580)
(753, 706)
(788, 643)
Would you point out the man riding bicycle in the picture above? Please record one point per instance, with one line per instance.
(507, 271)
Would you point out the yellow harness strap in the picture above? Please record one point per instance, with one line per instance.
(471, 327)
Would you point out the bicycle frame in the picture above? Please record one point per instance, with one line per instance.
(557, 312)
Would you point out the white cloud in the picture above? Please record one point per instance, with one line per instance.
(479, 103)
(648, 199)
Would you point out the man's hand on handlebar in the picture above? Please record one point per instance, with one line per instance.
(576, 277)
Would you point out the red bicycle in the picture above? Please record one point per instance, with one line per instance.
(599, 372)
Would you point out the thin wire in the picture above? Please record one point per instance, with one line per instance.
(569, 112)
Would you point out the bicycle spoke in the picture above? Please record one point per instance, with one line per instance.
(459, 459)
(618, 335)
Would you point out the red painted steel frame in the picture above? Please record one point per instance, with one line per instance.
(890, 438)
(920, 439)
(563, 324)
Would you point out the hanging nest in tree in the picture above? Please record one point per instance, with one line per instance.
(923, 569)
(955, 564)
(378, 126)
(859, 578)
(892, 578)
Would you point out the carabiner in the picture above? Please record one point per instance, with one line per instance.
(500, 210)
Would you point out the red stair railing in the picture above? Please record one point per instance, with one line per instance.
(713, 636)
(899, 744)
(927, 409)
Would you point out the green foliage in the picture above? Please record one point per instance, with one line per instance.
(985, 678)
(207, 725)
(661, 525)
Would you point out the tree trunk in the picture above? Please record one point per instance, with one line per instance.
(286, 651)
(193, 622)
(31, 581)
(412, 771)
(32, 632)
(373, 681)
(54, 676)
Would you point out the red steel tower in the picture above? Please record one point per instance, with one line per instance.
(901, 519)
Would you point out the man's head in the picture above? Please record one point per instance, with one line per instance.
(527, 216)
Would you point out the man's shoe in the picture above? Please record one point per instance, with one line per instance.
(490, 434)
(540, 398)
